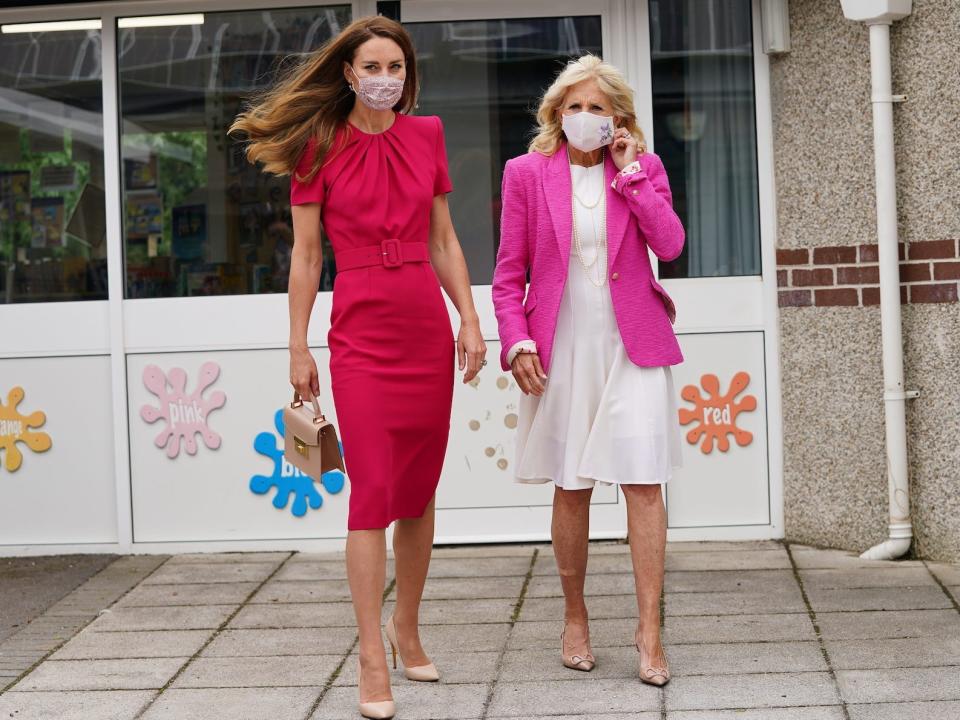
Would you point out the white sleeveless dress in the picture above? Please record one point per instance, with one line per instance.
(601, 418)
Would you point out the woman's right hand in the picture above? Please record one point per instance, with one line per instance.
(303, 373)
(529, 374)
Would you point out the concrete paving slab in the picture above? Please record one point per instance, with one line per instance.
(232, 557)
(295, 615)
(293, 641)
(449, 567)
(162, 618)
(473, 588)
(539, 635)
(736, 560)
(930, 710)
(29, 586)
(609, 584)
(456, 612)
(492, 551)
(648, 715)
(737, 628)
(718, 546)
(281, 671)
(948, 574)
(487, 637)
(297, 591)
(722, 692)
(809, 557)
(102, 705)
(187, 594)
(746, 657)
(827, 712)
(456, 668)
(600, 607)
(728, 580)
(855, 599)
(751, 601)
(582, 694)
(613, 663)
(906, 577)
(304, 570)
(899, 684)
(234, 704)
(889, 624)
(599, 564)
(216, 572)
(129, 674)
(415, 701)
(91, 645)
(887, 653)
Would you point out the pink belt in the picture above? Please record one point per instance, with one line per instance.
(390, 253)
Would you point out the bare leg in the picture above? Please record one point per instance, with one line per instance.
(647, 528)
(366, 570)
(412, 545)
(569, 532)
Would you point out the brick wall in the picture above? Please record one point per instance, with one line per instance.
(850, 276)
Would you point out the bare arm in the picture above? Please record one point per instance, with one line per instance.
(447, 259)
(306, 264)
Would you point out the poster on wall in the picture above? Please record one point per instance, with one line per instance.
(185, 415)
(47, 222)
(15, 427)
(139, 174)
(144, 213)
(15, 196)
(189, 231)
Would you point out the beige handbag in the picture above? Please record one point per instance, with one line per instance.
(309, 441)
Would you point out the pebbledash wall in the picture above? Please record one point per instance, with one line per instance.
(835, 489)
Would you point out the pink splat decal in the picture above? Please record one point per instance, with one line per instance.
(185, 415)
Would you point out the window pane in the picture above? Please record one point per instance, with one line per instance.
(52, 227)
(705, 131)
(484, 79)
(199, 220)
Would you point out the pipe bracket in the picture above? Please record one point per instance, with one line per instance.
(894, 395)
(888, 98)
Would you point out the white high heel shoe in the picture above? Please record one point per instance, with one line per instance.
(420, 673)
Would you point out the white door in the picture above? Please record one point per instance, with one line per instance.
(701, 95)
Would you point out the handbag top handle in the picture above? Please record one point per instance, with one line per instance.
(298, 401)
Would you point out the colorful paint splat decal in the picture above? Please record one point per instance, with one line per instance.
(15, 428)
(288, 480)
(185, 415)
(716, 414)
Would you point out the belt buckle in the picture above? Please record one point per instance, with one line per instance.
(390, 250)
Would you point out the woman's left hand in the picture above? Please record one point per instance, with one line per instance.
(623, 149)
(471, 350)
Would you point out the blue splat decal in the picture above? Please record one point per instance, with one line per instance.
(287, 479)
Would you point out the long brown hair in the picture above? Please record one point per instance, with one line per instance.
(312, 100)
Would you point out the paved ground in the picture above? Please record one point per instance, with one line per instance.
(30, 585)
(754, 631)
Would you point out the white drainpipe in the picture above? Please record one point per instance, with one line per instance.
(879, 15)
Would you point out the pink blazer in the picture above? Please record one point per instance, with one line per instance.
(535, 235)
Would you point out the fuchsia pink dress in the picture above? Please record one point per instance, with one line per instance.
(392, 349)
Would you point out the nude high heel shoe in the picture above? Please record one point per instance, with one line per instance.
(420, 673)
(585, 663)
(653, 670)
(382, 710)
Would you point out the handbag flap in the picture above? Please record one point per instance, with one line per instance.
(300, 421)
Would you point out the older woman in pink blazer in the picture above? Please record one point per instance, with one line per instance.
(591, 343)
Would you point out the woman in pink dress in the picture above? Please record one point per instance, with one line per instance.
(376, 178)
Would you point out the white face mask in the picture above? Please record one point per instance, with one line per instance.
(586, 131)
(378, 92)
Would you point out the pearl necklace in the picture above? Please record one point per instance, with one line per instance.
(599, 278)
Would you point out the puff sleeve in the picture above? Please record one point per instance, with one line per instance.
(441, 177)
(307, 192)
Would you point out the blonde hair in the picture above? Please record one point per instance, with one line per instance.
(611, 83)
(312, 100)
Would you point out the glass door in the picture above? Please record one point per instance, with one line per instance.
(483, 68)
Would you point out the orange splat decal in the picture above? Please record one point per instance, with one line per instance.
(15, 428)
(716, 414)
